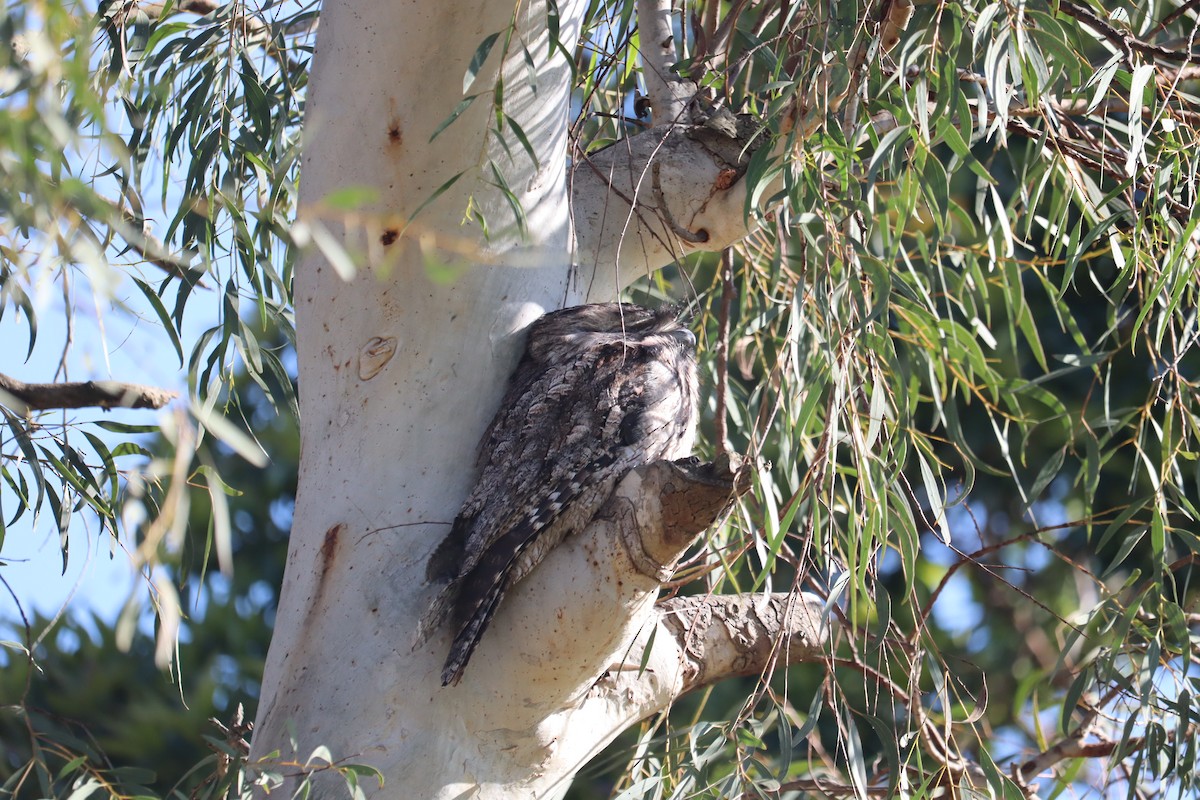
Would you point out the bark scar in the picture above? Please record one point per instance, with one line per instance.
(328, 555)
(375, 355)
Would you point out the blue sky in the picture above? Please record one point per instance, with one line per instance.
(114, 339)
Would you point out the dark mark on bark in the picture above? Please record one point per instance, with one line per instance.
(328, 555)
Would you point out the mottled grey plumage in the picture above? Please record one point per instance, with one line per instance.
(602, 389)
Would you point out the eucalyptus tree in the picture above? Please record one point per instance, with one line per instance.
(943, 263)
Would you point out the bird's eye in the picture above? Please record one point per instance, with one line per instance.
(685, 337)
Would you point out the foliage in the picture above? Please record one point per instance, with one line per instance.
(156, 161)
(965, 336)
(155, 153)
(964, 333)
(97, 690)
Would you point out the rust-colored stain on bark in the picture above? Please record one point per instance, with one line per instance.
(328, 553)
(329, 546)
(726, 178)
(326, 556)
(395, 137)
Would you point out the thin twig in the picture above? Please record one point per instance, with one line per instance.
(1191, 5)
(823, 788)
(727, 292)
(1126, 41)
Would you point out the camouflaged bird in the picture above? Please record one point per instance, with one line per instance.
(601, 389)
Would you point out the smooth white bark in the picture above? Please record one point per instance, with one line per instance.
(632, 217)
(669, 96)
(400, 369)
(388, 448)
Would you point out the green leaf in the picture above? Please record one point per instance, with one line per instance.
(462, 106)
(163, 317)
(229, 434)
(519, 132)
(952, 137)
(436, 194)
(477, 61)
(33, 465)
(125, 427)
(71, 766)
(1138, 98)
(1047, 473)
(934, 494)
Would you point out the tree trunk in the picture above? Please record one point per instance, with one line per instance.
(401, 367)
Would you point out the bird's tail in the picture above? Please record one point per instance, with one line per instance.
(471, 632)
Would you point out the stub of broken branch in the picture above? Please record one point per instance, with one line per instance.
(682, 644)
(25, 397)
(661, 509)
(667, 506)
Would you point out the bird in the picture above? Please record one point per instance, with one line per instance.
(600, 390)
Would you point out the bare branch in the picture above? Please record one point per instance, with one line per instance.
(723, 636)
(86, 394)
(1074, 746)
(696, 641)
(1126, 41)
(829, 788)
(1071, 747)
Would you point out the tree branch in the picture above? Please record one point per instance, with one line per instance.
(1071, 747)
(724, 636)
(1074, 746)
(1093, 156)
(633, 201)
(1126, 41)
(659, 511)
(662, 508)
(143, 242)
(251, 26)
(696, 641)
(87, 394)
(668, 95)
(155, 10)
